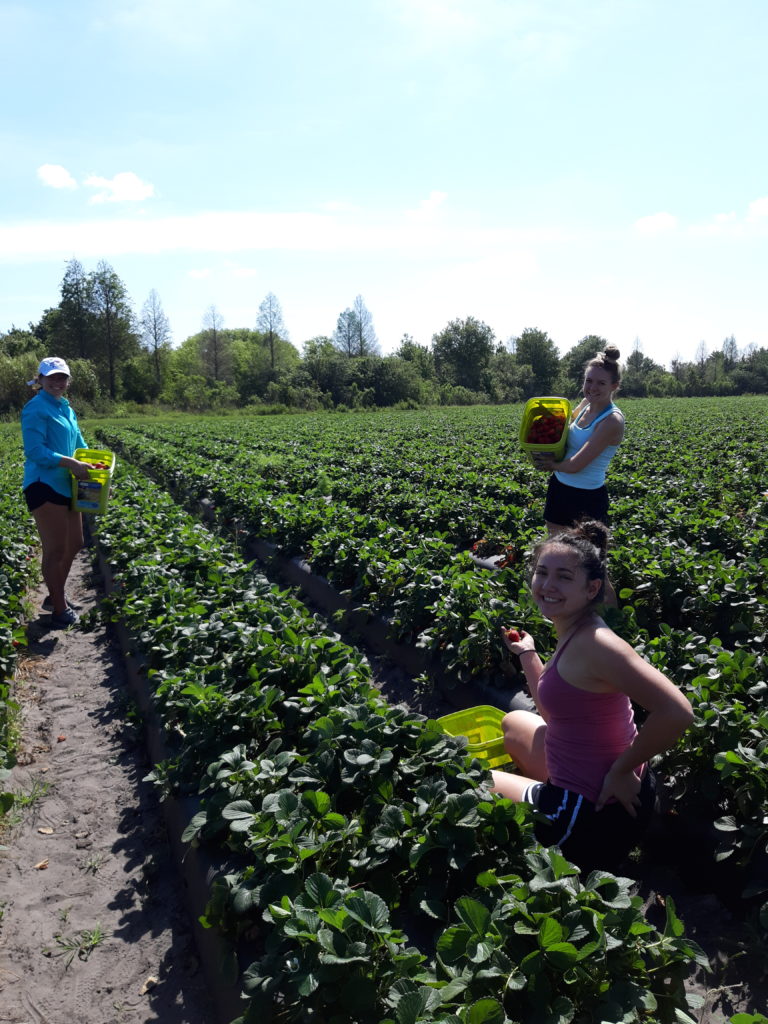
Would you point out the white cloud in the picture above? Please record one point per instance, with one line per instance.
(56, 176)
(656, 224)
(734, 225)
(125, 187)
(758, 209)
(448, 17)
(179, 25)
(338, 206)
(244, 272)
(535, 38)
(720, 225)
(428, 206)
(375, 232)
(199, 274)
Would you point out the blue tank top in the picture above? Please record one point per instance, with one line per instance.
(593, 474)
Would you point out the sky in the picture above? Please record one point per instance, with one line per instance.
(598, 167)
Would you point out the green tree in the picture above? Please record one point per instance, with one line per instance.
(505, 380)
(214, 350)
(638, 370)
(16, 342)
(327, 367)
(420, 355)
(536, 349)
(257, 360)
(116, 337)
(79, 305)
(345, 335)
(462, 351)
(575, 359)
(730, 353)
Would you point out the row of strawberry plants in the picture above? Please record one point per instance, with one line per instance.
(17, 531)
(371, 868)
(407, 468)
(678, 526)
(416, 582)
(458, 611)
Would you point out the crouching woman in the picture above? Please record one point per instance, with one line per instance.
(582, 762)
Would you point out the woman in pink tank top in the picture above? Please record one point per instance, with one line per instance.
(581, 760)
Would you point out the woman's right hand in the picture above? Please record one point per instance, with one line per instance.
(524, 642)
(78, 469)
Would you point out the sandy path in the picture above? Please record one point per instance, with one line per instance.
(99, 830)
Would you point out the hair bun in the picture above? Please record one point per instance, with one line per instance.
(597, 533)
(611, 353)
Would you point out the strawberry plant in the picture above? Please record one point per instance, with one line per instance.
(306, 774)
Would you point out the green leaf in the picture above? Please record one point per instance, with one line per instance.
(320, 890)
(550, 932)
(369, 910)
(316, 800)
(473, 914)
(452, 944)
(486, 1011)
(240, 815)
(435, 908)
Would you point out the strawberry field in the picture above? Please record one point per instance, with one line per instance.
(367, 874)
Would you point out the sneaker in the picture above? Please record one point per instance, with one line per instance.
(47, 604)
(66, 619)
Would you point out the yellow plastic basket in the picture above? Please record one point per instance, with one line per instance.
(92, 495)
(544, 406)
(482, 727)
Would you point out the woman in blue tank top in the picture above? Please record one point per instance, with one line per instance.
(577, 485)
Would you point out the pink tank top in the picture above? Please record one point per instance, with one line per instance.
(586, 731)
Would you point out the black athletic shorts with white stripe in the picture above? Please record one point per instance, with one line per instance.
(589, 838)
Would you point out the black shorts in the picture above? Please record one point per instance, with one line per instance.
(38, 493)
(566, 505)
(592, 839)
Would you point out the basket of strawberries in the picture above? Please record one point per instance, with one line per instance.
(91, 495)
(544, 426)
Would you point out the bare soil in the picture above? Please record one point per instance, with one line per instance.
(88, 856)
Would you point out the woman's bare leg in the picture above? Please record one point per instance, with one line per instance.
(524, 742)
(61, 536)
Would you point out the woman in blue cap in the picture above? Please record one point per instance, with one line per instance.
(50, 433)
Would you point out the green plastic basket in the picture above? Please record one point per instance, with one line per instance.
(92, 495)
(536, 407)
(482, 727)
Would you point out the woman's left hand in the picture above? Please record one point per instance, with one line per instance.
(623, 786)
(544, 461)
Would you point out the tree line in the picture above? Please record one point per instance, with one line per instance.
(123, 361)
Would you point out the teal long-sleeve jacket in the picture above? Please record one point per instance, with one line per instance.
(49, 430)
